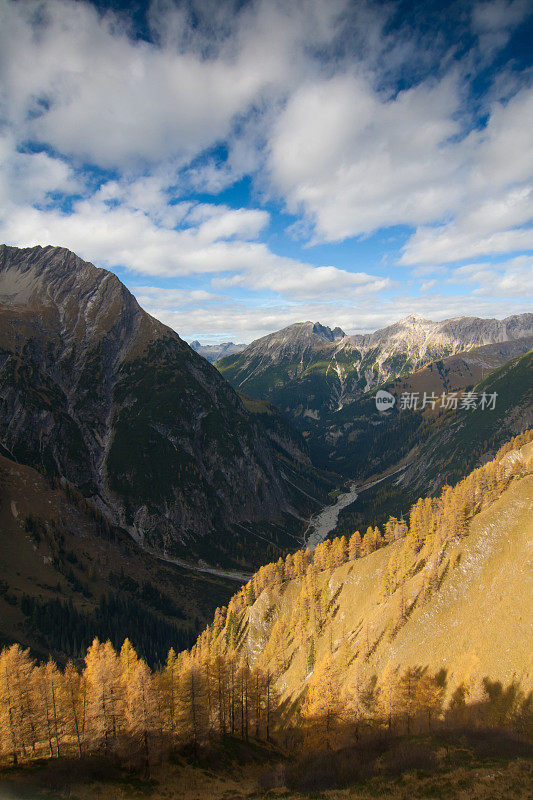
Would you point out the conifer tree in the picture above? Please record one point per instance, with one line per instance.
(388, 694)
(275, 648)
(193, 717)
(104, 695)
(429, 694)
(354, 546)
(322, 709)
(74, 705)
(219, 678)
(141, 711)
(10, 738)
(311, 655)
(406, 692)
(128, 661)
(48, 685)
(367, 544)
(19, 702)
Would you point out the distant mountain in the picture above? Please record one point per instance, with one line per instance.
(309, 370)
(462, 370)
(95, 391)
(432, 447)
(213, 352)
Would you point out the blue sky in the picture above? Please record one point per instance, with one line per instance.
(245, 165)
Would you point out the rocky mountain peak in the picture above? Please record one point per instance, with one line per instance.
(69, 301)
(213, 352)
(311, 369)
(413, 319)
(327, 334)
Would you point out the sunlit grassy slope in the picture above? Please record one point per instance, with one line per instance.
(477, 622)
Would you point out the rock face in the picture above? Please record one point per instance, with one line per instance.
(96, 391)
(309, 370)
(213, 352)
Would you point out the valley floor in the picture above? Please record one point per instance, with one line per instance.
(456, 766)
(325, 522)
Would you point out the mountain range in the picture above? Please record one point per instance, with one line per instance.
(214, 352)
(309, 370)
(131, 470)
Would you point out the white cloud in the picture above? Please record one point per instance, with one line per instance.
(355, 161)
(80, 84)
(512, 278)
(503, 154)
(454, 243)
(494, 215)
(239, 322)
(27, 177)
(114, 228)
(490, 15)
(298, 280)
(77, 80)
(300, 98)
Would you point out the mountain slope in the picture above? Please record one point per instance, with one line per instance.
(309, 370)
(360, 441)
(95, 390)
(429, 447)
(447, 593)
(67, 575)
(461, 371)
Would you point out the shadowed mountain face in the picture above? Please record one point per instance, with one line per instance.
(309, 371)
(96, 391)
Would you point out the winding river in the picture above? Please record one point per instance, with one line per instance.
(327, 519)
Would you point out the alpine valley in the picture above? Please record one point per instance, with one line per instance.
(126, 462)
(325, 382)
(96, 392)
(138, 487)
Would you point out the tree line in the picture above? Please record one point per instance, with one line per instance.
(116, 706)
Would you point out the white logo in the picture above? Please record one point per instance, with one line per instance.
(384, 400)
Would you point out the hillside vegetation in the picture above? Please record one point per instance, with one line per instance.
(68, 575)
(422, 626)
(433, 592)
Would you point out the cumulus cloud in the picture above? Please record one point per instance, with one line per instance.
(114, 227)
(79, 81)
(338, 113)
(355, 161)
(508, 279)
(89, 90)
